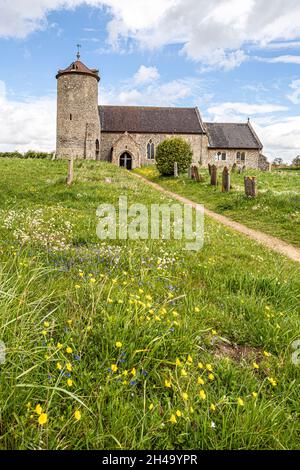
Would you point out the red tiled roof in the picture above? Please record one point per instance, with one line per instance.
(79, 68)
(140, 119)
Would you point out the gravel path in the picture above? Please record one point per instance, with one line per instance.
(273, 243)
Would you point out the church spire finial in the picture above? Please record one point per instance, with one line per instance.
(78, 52)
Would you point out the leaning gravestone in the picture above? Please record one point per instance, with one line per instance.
(209, 169)
(226, 180)
(195, 174)
(250, 186)
(214, 175)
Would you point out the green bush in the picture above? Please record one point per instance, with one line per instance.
(29, 154)
(170, 151)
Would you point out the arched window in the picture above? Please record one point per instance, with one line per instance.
(240, 157)
(97, 150)
(150, 150)
(71, 117)
(222, 156)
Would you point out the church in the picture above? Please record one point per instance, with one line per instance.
(128, 136)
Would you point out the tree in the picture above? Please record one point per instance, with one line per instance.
(170, 151)
(296, 161)
(278, 162)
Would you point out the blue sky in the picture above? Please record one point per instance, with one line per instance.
(230, 60)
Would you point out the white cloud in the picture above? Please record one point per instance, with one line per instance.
(295, 96)
(26, 125)
(283, 59)
(146, 75)
(213, 32)
(241, 111)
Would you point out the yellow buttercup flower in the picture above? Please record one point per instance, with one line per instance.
(254, 394)
(178, 413)
(211, 377)
(200, 381)
(114, 367)
(77, 286)
(69, 367)
(119, 344)
(185, 396)
(255, 365)
(69, 350)
(168, 384)
(212, 407)
(272, 381)
(43, 418)
(202, 395)
(200, 365)
(38, 409)
(58, 366)
(178, 362)
(59, 346)
(190, 359)
(267, 354)
(46, 324)
(151, 407)
(240, 402)
(173, 419)
(133, 372)
(184, 373)
(209, 367)
(77, 415)
(70, 383)
(197, 309)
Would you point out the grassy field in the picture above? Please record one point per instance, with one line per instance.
(137, 345)
(275, 211)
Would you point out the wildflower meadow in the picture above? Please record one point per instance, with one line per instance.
(137, 344)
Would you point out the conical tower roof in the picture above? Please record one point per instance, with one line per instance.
(78, 67)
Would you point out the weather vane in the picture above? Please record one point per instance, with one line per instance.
(78, 53)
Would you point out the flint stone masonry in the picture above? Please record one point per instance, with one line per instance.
(129, 129)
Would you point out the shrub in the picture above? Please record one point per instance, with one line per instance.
(29, 154)
(170, 151)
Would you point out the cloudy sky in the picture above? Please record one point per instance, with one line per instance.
(233, 59)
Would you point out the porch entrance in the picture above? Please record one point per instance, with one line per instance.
(126, 161)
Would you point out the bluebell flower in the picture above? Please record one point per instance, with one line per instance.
(133, 382)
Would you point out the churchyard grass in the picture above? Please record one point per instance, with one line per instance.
(275, 211)
(137, 345)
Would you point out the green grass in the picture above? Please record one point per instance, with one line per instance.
(276, 210)
(171, 310)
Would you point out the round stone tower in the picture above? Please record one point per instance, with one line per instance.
(78, 121)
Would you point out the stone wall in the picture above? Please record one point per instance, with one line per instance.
(252, 158)
(78, 123)
(198, 143)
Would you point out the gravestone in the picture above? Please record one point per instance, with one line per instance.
(190, 173)
(209, 169)
(226, 180)
(70, 171)
(250, 186)
(175, 170)
(214, 175)
(195, 174)
(234, 166)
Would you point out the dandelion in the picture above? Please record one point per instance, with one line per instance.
(69, 350)
(70, 383)
(240, 402)
(202, 395)
(255, 366)
(185, 396)
(168, 384)
(77, 415)
(114, 367)
(173, 419)
(151, 407)
(178, 413)
(119, 344)
(213, 407)
(43, 418)
(38, 409)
